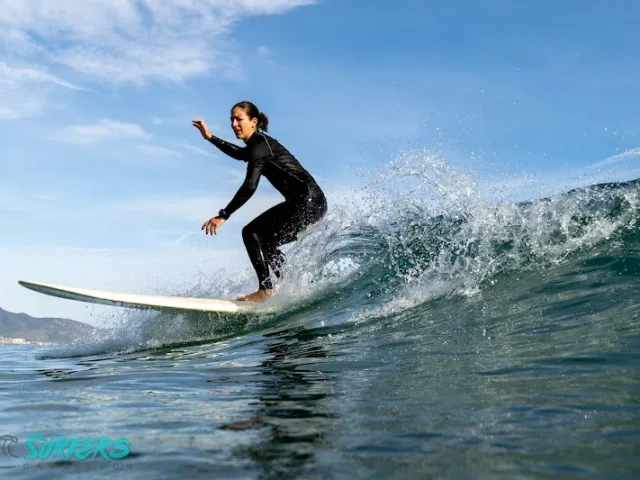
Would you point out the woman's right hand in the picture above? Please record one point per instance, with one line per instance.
(204, 130)
(212, 225)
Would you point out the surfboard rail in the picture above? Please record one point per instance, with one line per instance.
(138, 301)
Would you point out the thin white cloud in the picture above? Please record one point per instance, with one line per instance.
(115, 41)
(620, 157)
(137, 64)
(105, 129)
(16, 41)
(44, 197)
(12, 109)
(197, 150)
(17, 75)
(26, 90)
(133, 41)
(158, 151)
(264, 51)
(262, 7)
(183, 237)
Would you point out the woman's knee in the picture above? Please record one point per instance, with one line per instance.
(249, 233)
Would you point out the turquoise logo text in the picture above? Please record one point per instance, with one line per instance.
(78, 448)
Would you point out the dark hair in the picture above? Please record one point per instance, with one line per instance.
(253, 112)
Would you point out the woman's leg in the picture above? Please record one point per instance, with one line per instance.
(278, 226)
(257, 235)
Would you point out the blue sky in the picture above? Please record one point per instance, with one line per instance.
(105, 182)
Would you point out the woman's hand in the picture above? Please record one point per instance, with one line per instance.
(204, 130)
(211, 226)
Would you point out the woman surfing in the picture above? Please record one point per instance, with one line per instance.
(304, 203)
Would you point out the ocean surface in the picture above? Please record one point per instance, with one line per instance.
(424, 334)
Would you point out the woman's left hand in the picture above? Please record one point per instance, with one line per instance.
(211, 226)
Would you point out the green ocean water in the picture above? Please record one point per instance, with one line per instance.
(477, 341)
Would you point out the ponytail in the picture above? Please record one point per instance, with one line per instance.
(253, 112)
(263, 121)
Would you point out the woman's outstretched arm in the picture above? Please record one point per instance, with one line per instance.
(230, 149)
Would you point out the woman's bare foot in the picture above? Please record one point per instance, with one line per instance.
(258, 296)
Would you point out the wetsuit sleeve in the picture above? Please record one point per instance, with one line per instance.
(249, 186)
(230, 149)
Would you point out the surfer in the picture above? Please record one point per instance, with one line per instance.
(304, 203)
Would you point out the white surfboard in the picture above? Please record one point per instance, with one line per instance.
(138, 301)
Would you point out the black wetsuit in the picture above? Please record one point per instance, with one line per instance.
(304, 203)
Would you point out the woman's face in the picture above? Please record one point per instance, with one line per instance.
(242, 125)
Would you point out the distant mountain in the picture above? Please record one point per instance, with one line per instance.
(45, 330)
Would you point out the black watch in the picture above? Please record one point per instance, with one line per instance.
(223, 214)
